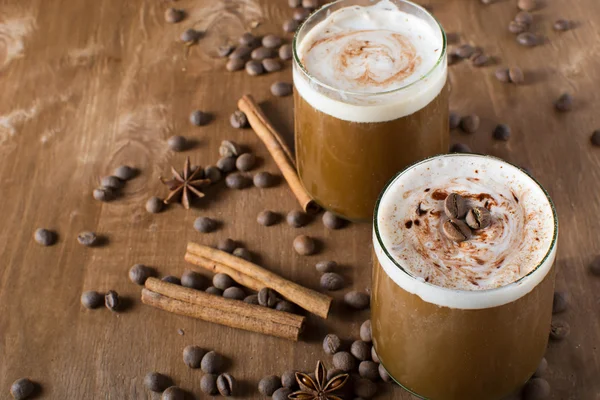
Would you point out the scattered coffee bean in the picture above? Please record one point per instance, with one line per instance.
(267, 218)
(456, 230)
(285, 52)
(267, 297)
(460, 148)
(332, 344)
(300, 14)
(111, 182)
(254, 68)
(87, 238)
(211, 362)
(226, 385)
(225, 50)
(368, 370)
(536, 389)
(562, 25)
(157, 382)
(294, 3)
(304, 245)
(281, 89)
(524, 17)
(271, 65)
(103, 194)
(237, 181)
(177, 143)
(595, 138)
(193, 280)
(527, 5)
(453, 58)
(227, 245)
(260, 53)
(243, 253)
(288, 379)
(271, 41)
(173, 393)
(245, 162)
(502, 74)
(264, 179)
(124, 172)
(455, 206)
(517, 27)
(235, 64)
(361, 350)
(139, 273)
(214, 291)
(480, 59)
(564, 103)
(252, 299)
(154, 205)
(374, 355)
(365, 331)
(222, 281)
(516, 75)
(332, 221)
(199, 118)
(465, 51)
(92, 299)
(240, 53)
(226, 164)
(172, 280)
(595, 266)
(44, 237)
(190, 36)
(310, 4)
(331, 373)
(470, 123)
(297, 219)
(285, 306)
(205, 224)
(364, 388)
(527, 39)
(453, 120)
(248, 39)
(234, 293)
(542, 367)
(357, 300)
(559, 330)
(281, 393)
(478, 218)
(192, 356)
(22, 388)
(289, 25)
(383, 374)
(332, 281)
(269, 384)
(111, 300)
(213, 173)
(173, 15)
(208, 384)
(326, 266)
(344, 361)
(238, 119)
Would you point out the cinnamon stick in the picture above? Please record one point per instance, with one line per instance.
(256, 277)
(278, 149)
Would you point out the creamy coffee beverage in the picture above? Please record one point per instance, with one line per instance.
(462, 319)
(371, 97)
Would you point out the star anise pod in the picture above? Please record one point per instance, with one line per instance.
(319, 389)
(185, 185)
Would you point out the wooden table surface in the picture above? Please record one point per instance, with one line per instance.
(89, 85)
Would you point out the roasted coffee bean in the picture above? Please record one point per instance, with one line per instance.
(297, 219)
(326, 266)
(173, 393)
(234, 293)
(331, 373)
(211, 363)
(300, 14)
(124, 172)
(248, 39)
(243, 253)
(271, 41)
(111, 300)
(154, 205)
(44, 237)
(111, 182)
(226, 164)
(453, 58)
(595, 266)
(364, 388)
(374, 355)
(271, 65)
(288, 379)
(235, 64)
(516, 75)
(157, 382)
(502, 74)
(383, 374)
(470, 123)
(455, 206)
(205, 224)
(332, 221)
(222, 281)
(139, 273)
(456, 230)
(368, 370)
(453, 120)
(559, 330)
(226, 385)
(365, 331)
(281, 393)
(87, 238)
(541, 369)
(290, 25)
(294, 3)
(562, 25)
(225, 50)
(517, 27)
(92, 299)
(465, 51)
(237, 181)
(357, 300)
(344, 361)
(527, 39)
(478, 218)
(264, 180)
(177, 143)
(269, 384)
(208, 384)
(304, 245)
(310, 4)
(480, 59)
(285, 306)
(285, 52)
(214, 291)
(332, 344)
(536, 389)
(227, 245)
(22, 388)
(524, 17)
(260, 53)
(192, 356)
(240, 53)
(267, 218)
(254, 68)
(527, 5)
(199, 118)
(281, 89)
(190, 36)
(245, 162)
(564, 103)
(332, 281)
(595, 138)
(238, 119)
(252, 299)
(267, 297)
(171, 279)
(460, 148)
(361, 350)
(174, 15)
(193, 280)
(213, 173)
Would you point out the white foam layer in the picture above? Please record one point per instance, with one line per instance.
(498, 265)
(358, 55)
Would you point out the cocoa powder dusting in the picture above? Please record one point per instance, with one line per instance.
(408, 224)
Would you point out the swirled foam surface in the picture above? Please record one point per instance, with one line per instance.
(521, 235)
(371, 50)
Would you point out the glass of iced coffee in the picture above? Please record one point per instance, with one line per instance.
(370, 98)
(463, 277)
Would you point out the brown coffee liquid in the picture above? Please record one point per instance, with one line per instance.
(344, 165)
(442, 353)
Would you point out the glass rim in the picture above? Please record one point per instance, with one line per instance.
(549, 252)
(324, 8)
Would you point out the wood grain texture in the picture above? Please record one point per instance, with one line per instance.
(89, 85)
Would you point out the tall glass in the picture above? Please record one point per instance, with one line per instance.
(350, 143)
(447, 344)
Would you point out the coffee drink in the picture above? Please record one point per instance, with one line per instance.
(370, 98)
(462, 319)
